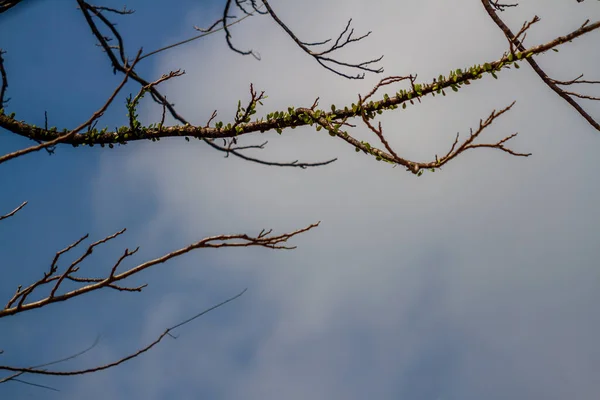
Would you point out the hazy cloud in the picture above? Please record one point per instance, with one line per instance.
(477, 281)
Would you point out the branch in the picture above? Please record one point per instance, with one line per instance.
(37, 371)
(205, 32)
(73, 133)
(122, 135)
(13, 212)
(280, 120)
(4, 84)
(5, 5)
(19, 303)
(14, 376)
(320, 56)
(551, 83)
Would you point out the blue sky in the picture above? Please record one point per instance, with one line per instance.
(480, 281)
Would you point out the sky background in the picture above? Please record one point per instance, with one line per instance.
(479, 281)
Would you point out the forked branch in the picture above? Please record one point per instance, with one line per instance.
(517, 41)
(322, 56)
(54, 279)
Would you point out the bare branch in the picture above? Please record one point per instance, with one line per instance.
(552, 84)
(4, 84)
(339, 43)
(5, 5)
(205, 32)
(228, 34)
(14, 376)
(18, 303)
(167, 332)
(13, 212)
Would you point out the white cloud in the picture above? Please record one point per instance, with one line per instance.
(478, 281)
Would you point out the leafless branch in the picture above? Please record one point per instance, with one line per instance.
(13, 212)
(205, 32)
(37, 370)
(14, 377)
(5, 5)
(320, 57)
(4, 84)
(19, 301)
(552, 84)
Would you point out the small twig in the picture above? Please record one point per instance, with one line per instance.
(205, 32)
(13, 212)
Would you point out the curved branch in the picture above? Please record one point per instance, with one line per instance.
(339, 43)
(38, 371)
